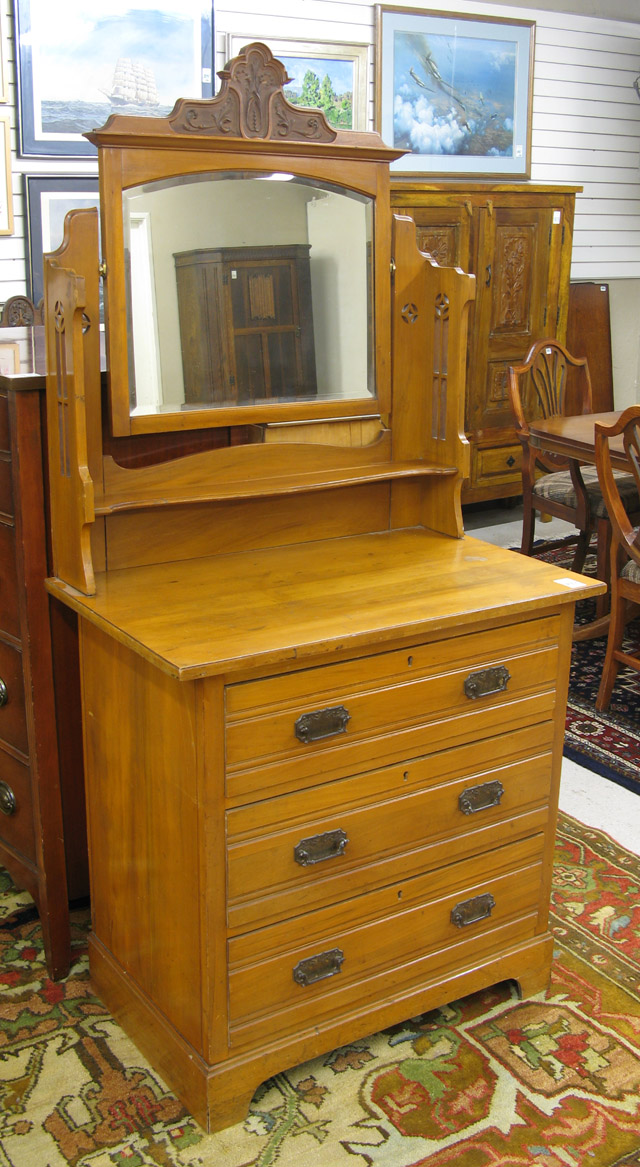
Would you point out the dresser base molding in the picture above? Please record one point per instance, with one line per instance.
(219, 1095)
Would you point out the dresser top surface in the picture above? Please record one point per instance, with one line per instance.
(207, 616)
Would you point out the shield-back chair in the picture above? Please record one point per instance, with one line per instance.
(551, 484)
(625, 545)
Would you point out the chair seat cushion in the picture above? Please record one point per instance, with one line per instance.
(559, 488)
(631, 571)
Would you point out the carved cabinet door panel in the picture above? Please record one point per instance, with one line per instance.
(445, 233)
(516, 303)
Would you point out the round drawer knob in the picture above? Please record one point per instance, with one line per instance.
(4, 693)
(8, 804)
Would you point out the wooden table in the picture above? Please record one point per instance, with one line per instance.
(574, 437)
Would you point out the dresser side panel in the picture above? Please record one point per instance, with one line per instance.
(142, 800)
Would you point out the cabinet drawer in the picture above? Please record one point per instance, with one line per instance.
(13, 722)
(9, 614)
(16, 814)
(295, 852)
(378, 698)
(497, 463)
(326, 961)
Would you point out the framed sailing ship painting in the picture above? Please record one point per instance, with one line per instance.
(113, 56)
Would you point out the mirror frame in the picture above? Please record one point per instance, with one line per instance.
(249, 126)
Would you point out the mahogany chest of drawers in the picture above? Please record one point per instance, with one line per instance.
(42, 819)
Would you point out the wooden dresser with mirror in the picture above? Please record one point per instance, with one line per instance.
(323, 728)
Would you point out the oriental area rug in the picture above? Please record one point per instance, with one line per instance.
(606, 743)
(487, 1081)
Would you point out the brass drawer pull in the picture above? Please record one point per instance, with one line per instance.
(311, 727)
(487, 681)
(316, 968)
(470, 911)
(8, 804)
(4, 693)
(317, 848)
(480, 797)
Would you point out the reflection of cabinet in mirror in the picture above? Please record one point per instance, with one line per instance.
(246, 323)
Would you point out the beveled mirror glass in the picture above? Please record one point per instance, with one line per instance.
(246, 287)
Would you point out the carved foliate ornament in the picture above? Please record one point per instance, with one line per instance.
(20, 312)
(251, 104)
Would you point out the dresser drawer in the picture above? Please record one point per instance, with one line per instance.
(327, 961)
(13, 722)
(275, 727)
(298, 851)
(16, 811)
(9, 614)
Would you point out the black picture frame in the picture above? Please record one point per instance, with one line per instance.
(47, 200)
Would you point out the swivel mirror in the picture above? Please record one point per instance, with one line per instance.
(245, 288)
(243, 238)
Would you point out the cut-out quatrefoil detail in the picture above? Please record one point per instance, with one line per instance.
(442, 304)
(409, 313)
(58, 316)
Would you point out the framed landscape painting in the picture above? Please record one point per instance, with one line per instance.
(455, 92)
(330, 77)
(112, 56)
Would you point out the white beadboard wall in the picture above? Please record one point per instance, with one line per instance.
(585, 131)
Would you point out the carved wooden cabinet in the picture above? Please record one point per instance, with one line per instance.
(323, 728)
(42, 819)
(517, 240)
(246, 323)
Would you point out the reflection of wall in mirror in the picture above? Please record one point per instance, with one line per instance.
(231, 213)
(338, 238)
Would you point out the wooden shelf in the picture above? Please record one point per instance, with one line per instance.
(140, 491)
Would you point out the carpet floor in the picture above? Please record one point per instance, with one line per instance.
(487, 1081)
(606, 743)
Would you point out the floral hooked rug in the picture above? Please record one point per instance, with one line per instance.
(607, 743)
(487, 1080)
